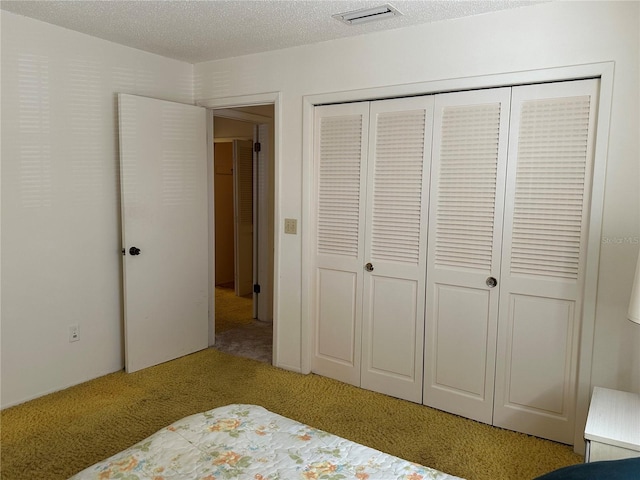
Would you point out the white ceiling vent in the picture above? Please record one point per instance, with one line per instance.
(367, 14)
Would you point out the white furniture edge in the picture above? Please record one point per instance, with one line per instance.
(614, 419)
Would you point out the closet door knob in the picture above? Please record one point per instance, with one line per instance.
(134, 251)
(368, 267)
(491, 282)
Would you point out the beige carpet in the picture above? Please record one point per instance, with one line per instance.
(237, 332)
(56, 436)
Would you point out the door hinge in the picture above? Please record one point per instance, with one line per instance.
(256, 288)
(257, 147)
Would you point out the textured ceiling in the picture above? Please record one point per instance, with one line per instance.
(197, 31)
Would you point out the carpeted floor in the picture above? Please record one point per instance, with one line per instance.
(58, 435)
(237, 332)
(231, 311)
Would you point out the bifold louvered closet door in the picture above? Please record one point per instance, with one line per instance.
(372, 166)
(465, 237)
(340, 154)
(506, 256)
(551, 143)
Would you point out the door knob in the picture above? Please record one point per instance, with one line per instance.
(134, 251)
(368, 267)
(491, 282)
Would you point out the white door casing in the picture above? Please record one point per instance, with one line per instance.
(164, 200)
(465, 235)
(551, 154)
(243, 215)
(395, 246)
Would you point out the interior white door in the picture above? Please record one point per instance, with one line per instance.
(243, 215)
(164, 199)
(340, 143)
(263, 224)
(543, 264)
(465, 234)
(395, 246)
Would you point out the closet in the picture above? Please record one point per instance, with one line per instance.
(457, 283)
(372, 169)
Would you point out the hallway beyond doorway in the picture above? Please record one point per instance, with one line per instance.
(237, 332)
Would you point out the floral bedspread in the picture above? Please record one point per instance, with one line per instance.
(249, 442)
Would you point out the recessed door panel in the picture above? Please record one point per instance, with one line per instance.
(539, 348)
(462, 326)
(393, 304)
(336, 314)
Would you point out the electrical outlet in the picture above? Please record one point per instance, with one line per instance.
(74, 333)
(290, 226)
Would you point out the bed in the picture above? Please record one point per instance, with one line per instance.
(250, 442)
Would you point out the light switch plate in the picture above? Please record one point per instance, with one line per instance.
(290, 226)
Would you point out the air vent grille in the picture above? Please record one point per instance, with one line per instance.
(367, 15)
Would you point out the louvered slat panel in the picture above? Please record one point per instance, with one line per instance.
(467, 186)
(397, 183)
(339, 185)
(245, 182)
(550, 182)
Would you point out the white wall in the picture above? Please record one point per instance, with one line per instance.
(542, 36)
(60, 208)
(61, 260)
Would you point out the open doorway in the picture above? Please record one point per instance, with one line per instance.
(243, 206)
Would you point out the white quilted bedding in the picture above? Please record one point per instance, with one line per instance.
(249, 442)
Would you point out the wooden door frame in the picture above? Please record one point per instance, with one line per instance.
(604, 71)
